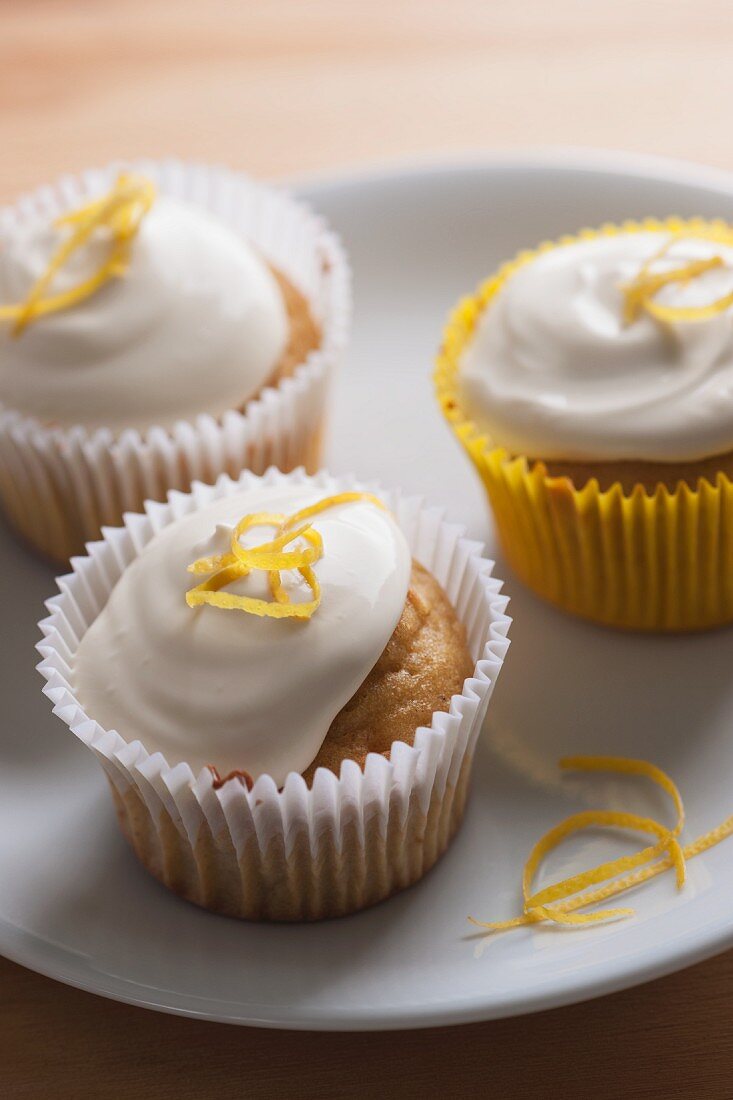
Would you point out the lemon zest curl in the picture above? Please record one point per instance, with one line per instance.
(639, 294)
(272, 557)
(121, 211)
(557, 903)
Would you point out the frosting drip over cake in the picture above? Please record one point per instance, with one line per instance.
(564, 364)
(194, 324)
(211, 686)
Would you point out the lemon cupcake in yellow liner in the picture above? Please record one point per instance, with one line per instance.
(159, 322)
(284, 679)
(591, 383)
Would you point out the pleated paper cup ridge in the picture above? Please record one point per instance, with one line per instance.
(645, 560)
(59, 486)
(297, 853)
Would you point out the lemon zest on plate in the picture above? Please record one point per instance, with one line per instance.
(271, 557)
(558, 902)
(121, 211)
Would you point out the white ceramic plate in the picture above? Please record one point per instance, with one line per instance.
(74, 903)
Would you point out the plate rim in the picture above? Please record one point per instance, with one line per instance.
(34, 953)
(460, 1012)
(533, 158)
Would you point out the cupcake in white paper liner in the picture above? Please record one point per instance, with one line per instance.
(299, 851)
(62, 480)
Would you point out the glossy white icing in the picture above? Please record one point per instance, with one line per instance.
(222, 687)
(553, 371)
(196, 325)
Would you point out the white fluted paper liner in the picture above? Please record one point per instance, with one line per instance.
(296, 853)
(59, 486)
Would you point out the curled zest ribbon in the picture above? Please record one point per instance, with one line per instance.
(639, 294)
(121, 211)
(558, 903)
(272, 557)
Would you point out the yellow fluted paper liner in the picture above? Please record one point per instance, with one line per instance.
(660, 560)
(299, 853)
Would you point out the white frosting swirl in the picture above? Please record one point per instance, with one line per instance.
(196, 324)
(553, 371)
(212, 686)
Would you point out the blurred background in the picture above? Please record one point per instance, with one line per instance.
(285, 87)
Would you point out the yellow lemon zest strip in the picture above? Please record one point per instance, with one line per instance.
(644, 273)
(268, 555)
(586, 820)
(597, 819)
(694, 848)
(670, 314)
(667, 838)
(559, 916)
(628, 882)
(233, 569)
(121, 211)
(264, 608)
(639, 293)
(535, 907)
(217, 561)
(271, 557)
(332, 502)
(625, 765)
(276, 586)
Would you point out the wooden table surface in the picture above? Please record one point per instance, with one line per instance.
(287, 86)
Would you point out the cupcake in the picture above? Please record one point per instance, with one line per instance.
(591, 382)
(283, 679)
(158, 324)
